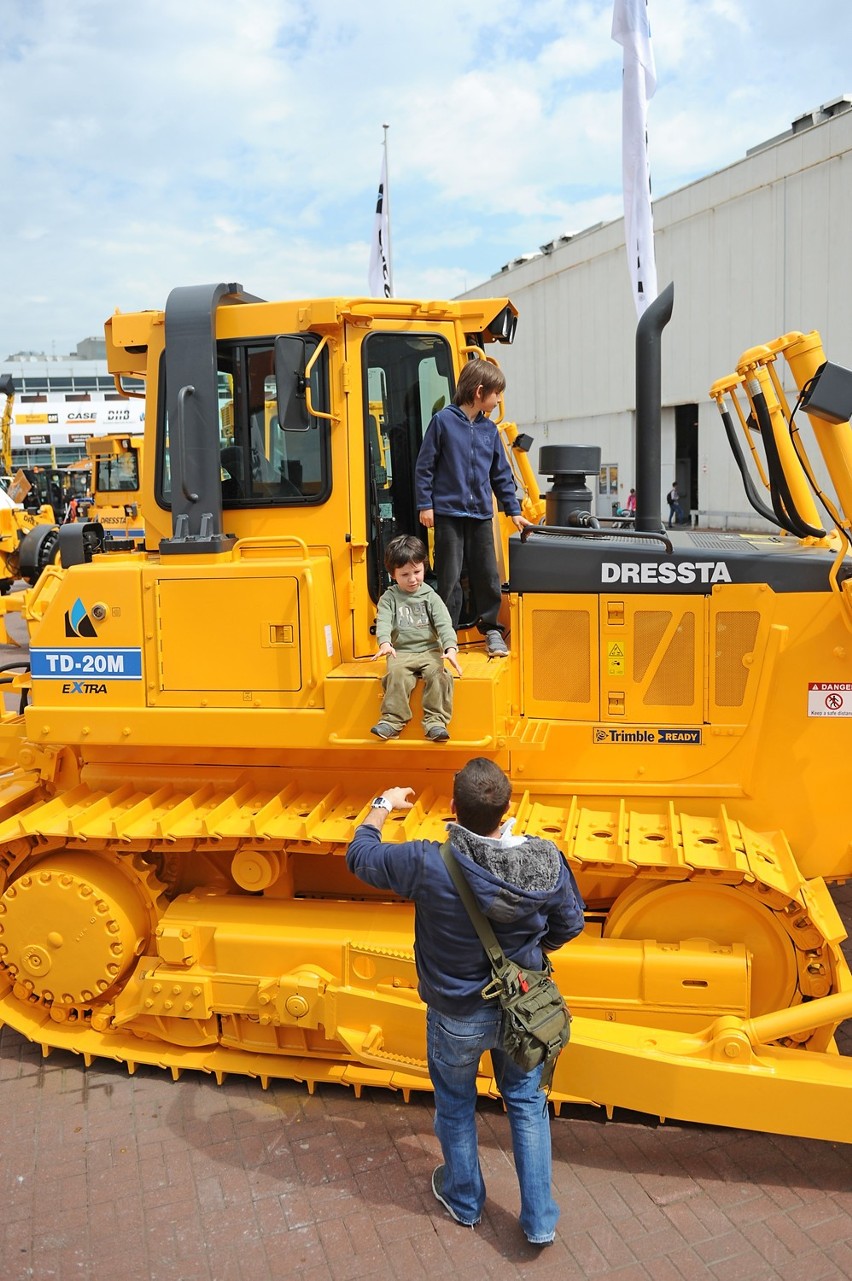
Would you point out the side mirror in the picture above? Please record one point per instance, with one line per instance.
(290, 362)
(502, 327)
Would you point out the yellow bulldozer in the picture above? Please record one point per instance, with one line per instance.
(196, 750)
(116, 505)
(27, 519)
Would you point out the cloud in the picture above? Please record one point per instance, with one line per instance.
(160, 144)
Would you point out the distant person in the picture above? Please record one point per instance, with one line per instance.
(675, 509)
(414, 632)
(630, 505)
(460, 468)
(72, 511)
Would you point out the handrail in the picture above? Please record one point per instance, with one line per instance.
(182, 397)
(309, 404)
(583, 531)
(422, 304)
(272, 540)
(125, 391)
(469, 348)
(521, 467)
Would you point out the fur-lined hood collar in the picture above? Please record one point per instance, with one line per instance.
(507, 879)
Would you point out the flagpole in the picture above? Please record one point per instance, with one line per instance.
(388, 207)
(632, 30)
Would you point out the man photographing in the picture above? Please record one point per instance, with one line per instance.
(525, 888)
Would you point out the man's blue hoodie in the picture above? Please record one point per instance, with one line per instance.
(526, 890)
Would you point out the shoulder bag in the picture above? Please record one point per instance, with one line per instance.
(536, 1022)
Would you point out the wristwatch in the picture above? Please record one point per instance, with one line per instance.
(380, 803)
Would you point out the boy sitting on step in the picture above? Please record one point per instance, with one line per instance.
(415, 633)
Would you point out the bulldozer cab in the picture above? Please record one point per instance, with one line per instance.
(116, 466)
(114, 502)
(53, 487)
(301, 422)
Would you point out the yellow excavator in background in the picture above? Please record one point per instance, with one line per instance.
(18, 518)
(196, 753)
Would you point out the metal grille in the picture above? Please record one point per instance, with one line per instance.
(649, 628)
(561, 653)
(721, 542)
(735, 637)
(674, 683)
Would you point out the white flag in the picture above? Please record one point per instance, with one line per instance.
(380, 277)
(632, 30)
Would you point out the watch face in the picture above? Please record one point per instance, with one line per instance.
(379, 803)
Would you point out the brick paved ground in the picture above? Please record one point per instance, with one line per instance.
(105, 1176)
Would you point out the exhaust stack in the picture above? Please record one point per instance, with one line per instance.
(648, 411)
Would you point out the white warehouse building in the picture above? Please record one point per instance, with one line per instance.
(757, 250)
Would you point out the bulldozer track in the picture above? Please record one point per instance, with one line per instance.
(152, 831)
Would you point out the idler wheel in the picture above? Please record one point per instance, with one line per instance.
(70, 928)
(682, 910)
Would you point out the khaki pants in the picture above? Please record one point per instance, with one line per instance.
(400, 680)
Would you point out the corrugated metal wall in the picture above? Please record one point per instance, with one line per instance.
(757, 250)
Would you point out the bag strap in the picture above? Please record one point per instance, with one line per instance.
(487, 937)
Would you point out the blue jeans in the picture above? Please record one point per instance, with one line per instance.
(454, 1047)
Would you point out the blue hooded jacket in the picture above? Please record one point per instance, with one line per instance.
(527, 891)
(460, 464)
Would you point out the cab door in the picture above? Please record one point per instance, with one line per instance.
(406, 378)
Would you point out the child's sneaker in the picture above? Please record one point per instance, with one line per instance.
(495, 646)
(384, 730)
(437, 734)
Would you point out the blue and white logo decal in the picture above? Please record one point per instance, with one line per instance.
(107, 664)
(77, 621)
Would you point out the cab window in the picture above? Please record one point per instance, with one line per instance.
(260, 463)
(115, 473)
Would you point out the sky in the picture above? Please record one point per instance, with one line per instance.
(176, 142)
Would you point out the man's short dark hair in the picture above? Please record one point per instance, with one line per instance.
(405, 549)
(478, 373)
(481, 792)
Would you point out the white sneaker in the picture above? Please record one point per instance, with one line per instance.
(495, 646)
(438, 1193)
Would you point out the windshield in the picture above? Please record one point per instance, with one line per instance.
(117, 472)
